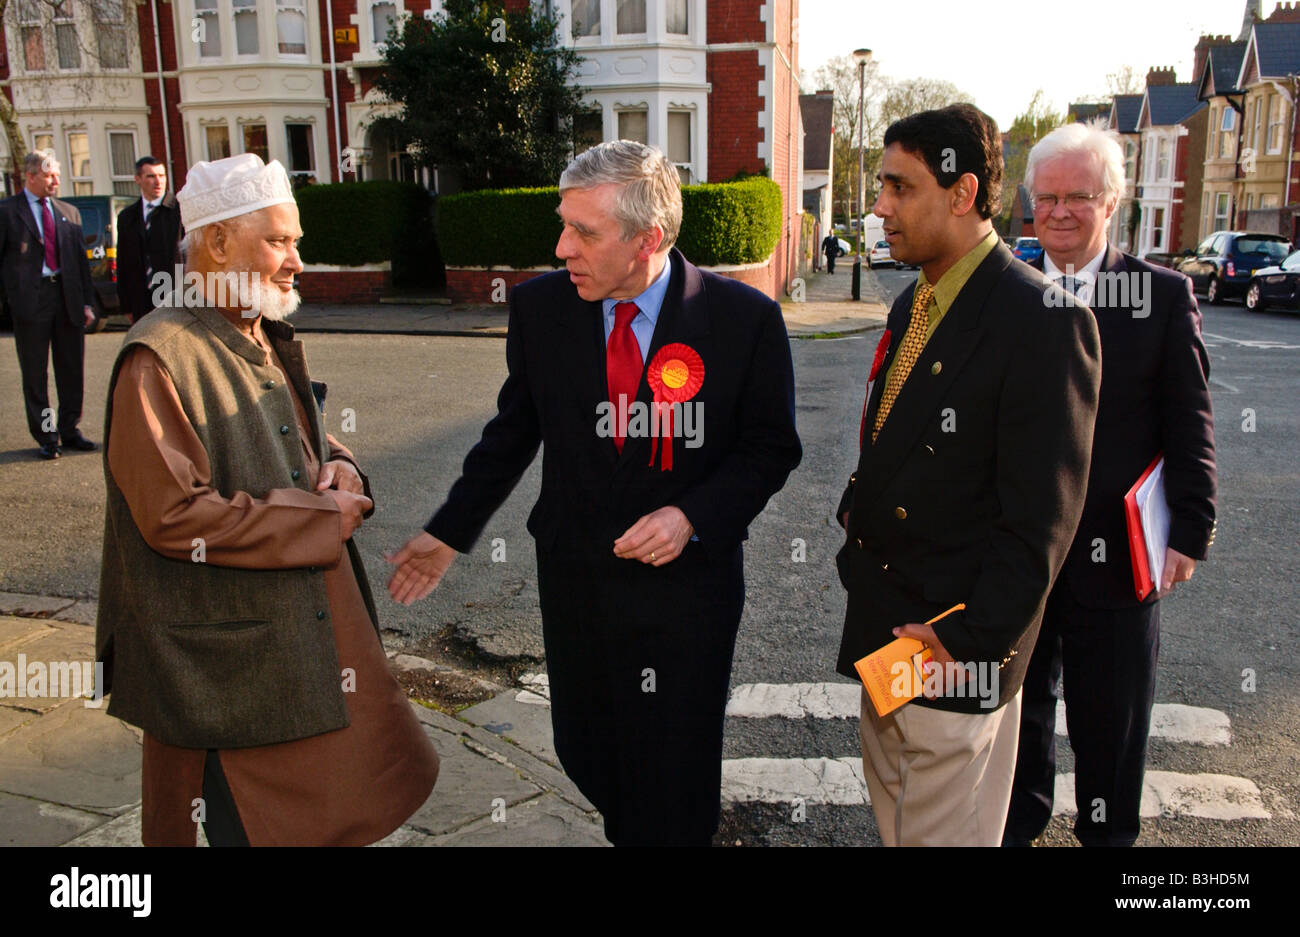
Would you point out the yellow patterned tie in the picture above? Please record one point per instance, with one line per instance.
(913, 342)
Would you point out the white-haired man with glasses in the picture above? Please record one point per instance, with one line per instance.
(1154, 399)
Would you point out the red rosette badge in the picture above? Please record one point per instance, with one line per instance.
(882, 349)
(675, 375)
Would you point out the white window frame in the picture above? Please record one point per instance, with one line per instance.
(1162, 159)
(70, 166)
(69, 21)
(103, 27)
(135, 151)
(377, 43)
(647, 13)
(620, 111)
(212, 27)
(589, 38)
(689, 19)
(311, 150)
(1158, 230)
(1222, 208)
(245, 8)
(299, 7)
(689, 165)
(1275, 125)
(207, 151)
(1211, 138)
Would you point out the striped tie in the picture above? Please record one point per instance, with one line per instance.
(913, 342)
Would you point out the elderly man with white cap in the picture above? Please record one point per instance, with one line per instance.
(236, 623)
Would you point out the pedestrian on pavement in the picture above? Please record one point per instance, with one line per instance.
(148, 238)
(1155, 399)
(46, 287)
(969, 483)
(831, 248)
(639, 562)
(235, 620)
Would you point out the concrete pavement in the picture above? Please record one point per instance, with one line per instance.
(70, 773)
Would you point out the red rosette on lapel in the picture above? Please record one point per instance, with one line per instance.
(675, 375)
(882, 349)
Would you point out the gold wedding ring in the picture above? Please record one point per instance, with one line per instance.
(652, 556)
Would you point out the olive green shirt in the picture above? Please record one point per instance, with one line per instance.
(950, 285)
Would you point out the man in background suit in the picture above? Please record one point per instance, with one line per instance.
(639, 563)
(46, 282)
(1154, 399)
(148, 235)
(969, 485)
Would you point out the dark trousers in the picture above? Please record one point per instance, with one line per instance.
(1108, 659)
(222, 826)
(34, 339)
(639, 661)
(830, 263)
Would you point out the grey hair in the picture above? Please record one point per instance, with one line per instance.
(193, 239)
(650, 190)
(38, 161)
(1081, 138)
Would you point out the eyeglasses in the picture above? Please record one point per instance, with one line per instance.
(1075, 201)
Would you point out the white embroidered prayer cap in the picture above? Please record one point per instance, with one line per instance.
(233, 186)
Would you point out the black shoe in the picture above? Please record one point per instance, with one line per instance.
(49, 450)
(80, 443)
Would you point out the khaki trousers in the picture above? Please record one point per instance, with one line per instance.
(939, 778)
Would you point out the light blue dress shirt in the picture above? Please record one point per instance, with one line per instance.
(35, 204)
(649, 303)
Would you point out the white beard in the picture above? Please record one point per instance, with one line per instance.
(271, 303)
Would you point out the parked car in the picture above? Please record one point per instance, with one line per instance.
(99, 225)
(1027, 249)
(1225, 262)
(1277, 286)
(845, 247)
(880, 255)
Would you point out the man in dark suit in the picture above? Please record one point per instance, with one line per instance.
(831, 248)
(47, 288)
(148, 234)
(969, 484)
(1154, 399)
(638, 527)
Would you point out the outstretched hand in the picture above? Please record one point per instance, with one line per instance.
(421, 563)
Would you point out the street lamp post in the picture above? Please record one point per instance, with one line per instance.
(862, 57)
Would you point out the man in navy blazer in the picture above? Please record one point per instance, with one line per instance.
(47, 289)
(1155, 400)
(664, 396)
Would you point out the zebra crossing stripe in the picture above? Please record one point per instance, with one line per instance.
(1170, 794)
(839, 781)
(1172, 721)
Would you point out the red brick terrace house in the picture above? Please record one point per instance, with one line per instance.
(711, 82)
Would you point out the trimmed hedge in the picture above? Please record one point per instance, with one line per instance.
(723, 223)
(350, 223)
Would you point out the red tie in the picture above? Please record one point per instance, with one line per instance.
(47, 225)
(622, 366)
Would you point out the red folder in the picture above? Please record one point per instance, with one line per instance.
(1147, 515)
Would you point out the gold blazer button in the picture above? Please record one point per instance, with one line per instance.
(900, 513)
(936, 367)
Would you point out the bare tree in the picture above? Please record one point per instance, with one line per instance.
(1128, 80)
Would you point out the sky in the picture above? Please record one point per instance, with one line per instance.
(1000, 52)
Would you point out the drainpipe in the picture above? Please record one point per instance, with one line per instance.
(334, 90)
(162, 91)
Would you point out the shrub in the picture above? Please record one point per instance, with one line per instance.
(722, 223)
(351, 223)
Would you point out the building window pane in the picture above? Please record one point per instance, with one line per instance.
(382, 17)
(218, 141)
(33, 49)
(586, 18)
(291, 26)
(1210, 138)
(630, 17)
(121, 153)
(301, 154)
(44, 142)
(632, 126)
(209, 29)
(255, 140)
(65, 37)
(1220, 211)
(1269, 200)
(1275, 124)
(679, 143)
(245, 26)
(112, 45)
(79, 163)
(678, 18)
(1158, 230)
(588, 130)
(1162, 160)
